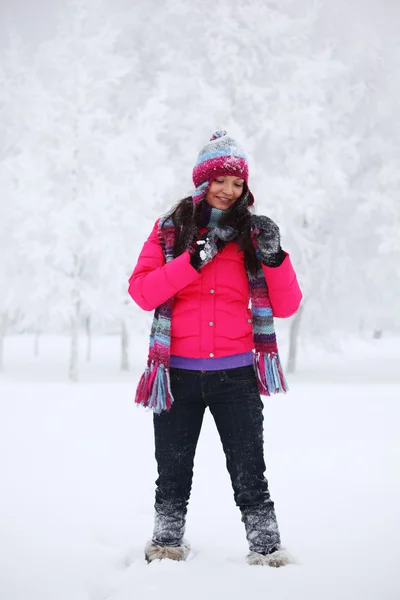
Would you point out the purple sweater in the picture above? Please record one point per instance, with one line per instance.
(212, 364)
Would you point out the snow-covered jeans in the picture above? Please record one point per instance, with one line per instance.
(235, 404)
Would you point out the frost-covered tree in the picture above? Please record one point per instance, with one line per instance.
(104, 163)
(82, 75)
(372, 218)
(16, 87)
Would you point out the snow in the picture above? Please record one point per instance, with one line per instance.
(78, 481)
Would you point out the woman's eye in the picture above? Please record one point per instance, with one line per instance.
(239, 185)
(219, 180)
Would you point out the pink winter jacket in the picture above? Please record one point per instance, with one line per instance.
(210, 316)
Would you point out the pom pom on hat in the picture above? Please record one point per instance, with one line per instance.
(221, 156)
(217, 134)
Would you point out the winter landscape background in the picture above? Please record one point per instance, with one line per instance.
(103, 108)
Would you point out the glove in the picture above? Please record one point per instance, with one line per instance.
(205, 249)
(268, 238)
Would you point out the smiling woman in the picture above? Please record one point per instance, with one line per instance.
(199, 269)
(224, 191)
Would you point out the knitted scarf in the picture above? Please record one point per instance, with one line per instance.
(154, 389)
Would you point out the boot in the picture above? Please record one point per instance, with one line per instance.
(167, 540)
(262, 530)
(156, 552)
(276, 558)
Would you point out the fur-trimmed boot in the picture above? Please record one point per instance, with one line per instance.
(169, 529)
(156, 552)
(263, 536)
(278, 558)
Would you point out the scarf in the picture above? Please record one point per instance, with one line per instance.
(154, 388)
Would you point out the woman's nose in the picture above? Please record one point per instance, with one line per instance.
(228, 189)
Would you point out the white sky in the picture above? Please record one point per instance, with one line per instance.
(36, 20)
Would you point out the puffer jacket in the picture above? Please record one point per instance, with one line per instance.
(211, 315)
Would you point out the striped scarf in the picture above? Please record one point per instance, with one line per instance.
(154, 389)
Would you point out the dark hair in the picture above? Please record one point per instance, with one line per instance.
(188, 220)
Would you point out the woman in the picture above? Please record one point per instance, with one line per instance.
(199, 269)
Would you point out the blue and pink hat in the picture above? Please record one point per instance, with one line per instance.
(221, 156)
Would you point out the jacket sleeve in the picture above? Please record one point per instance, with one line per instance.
(154, 281)
(284, 291)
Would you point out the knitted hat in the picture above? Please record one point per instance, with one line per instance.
(221, 156)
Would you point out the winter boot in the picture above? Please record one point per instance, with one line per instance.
(156, 552)
(169, 528)
(262, 530)
(276, 558)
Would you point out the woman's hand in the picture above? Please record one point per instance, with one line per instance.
(204, 250)
(267, 234)
(210, 243)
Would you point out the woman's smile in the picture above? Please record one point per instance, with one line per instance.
(224, 191)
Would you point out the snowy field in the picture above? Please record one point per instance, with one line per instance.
(77, 475)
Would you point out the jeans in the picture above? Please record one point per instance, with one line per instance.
(234, 401)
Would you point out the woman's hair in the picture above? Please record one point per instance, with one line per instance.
(188, 220)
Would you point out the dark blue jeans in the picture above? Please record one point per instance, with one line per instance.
(235, 404)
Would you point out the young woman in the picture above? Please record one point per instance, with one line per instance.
(200, 268)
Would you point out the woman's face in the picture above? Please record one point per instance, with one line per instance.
(224, 191)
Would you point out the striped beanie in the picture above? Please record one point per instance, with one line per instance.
(221, 156)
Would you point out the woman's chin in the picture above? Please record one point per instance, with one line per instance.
(222, 205)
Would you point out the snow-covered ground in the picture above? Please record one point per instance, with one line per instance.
(77, 479)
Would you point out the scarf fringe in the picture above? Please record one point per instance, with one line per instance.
(154, 389)
(270, 377)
